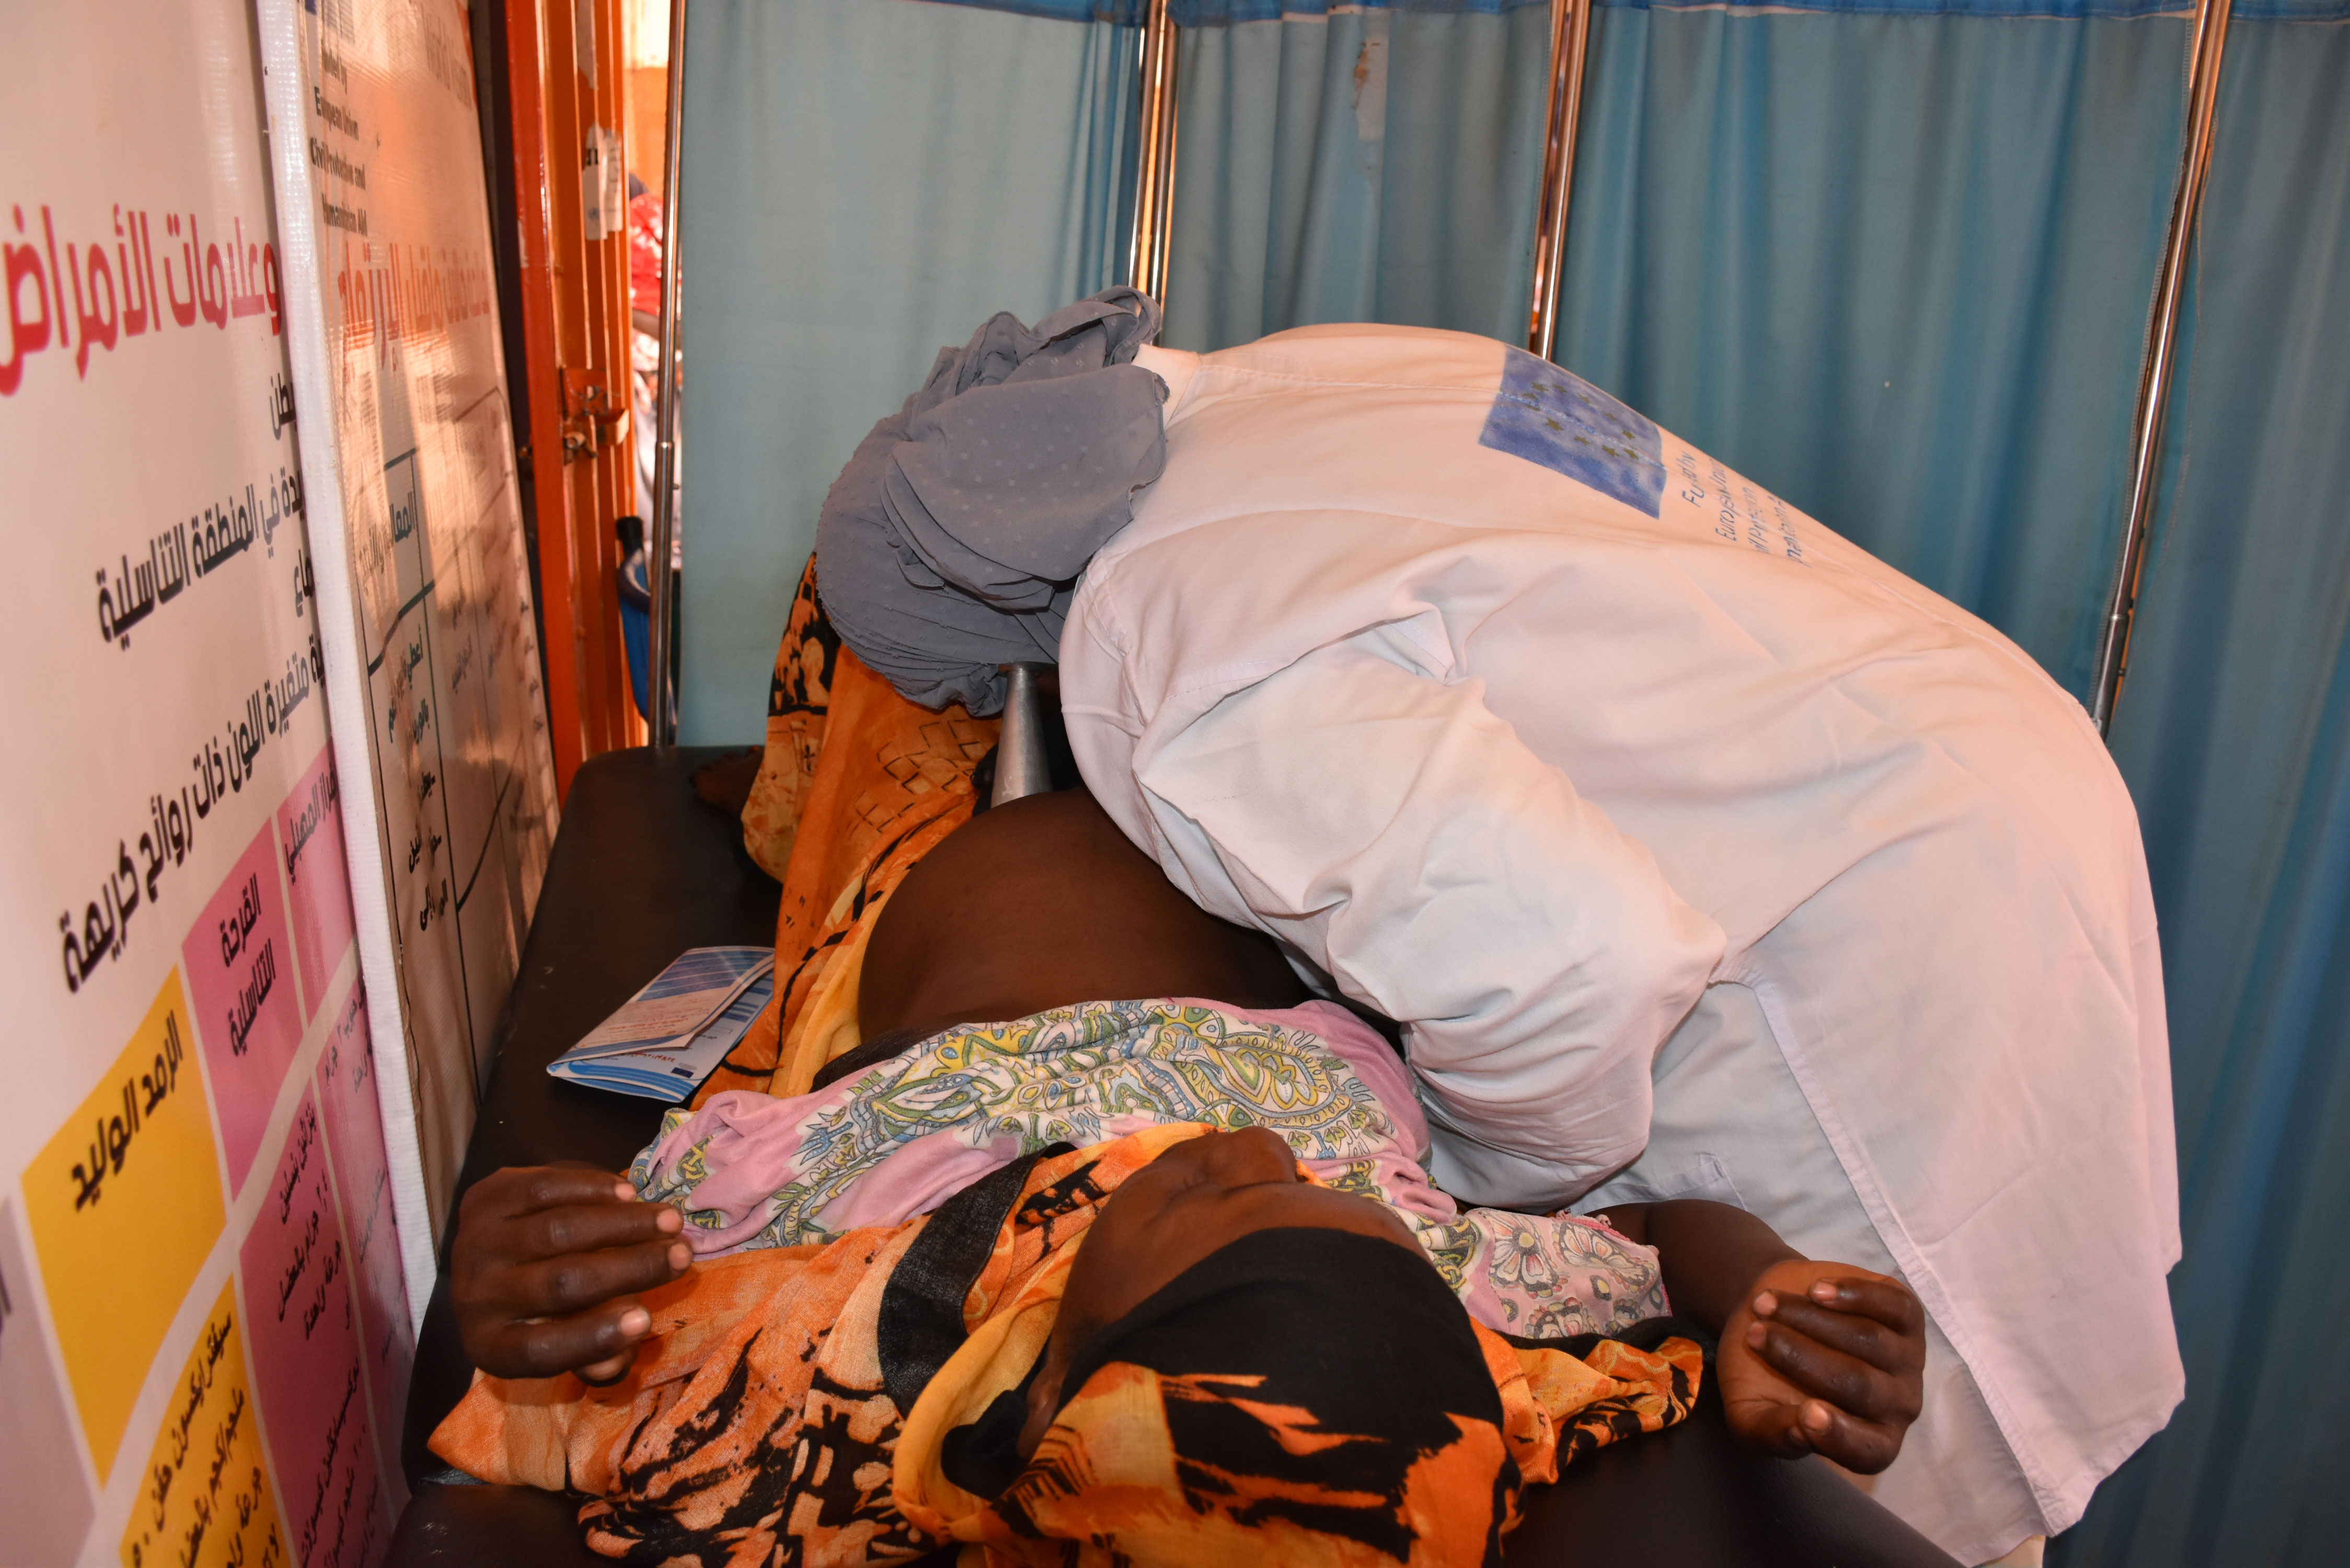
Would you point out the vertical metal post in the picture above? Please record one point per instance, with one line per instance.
(1021, 768)
(1154, 194)
(1570, 40)
(2161, 368)
(658, 575)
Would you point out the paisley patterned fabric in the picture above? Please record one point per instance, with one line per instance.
(750, 1171)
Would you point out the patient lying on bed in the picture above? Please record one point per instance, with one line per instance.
(1697, 852)
(1182, 1237)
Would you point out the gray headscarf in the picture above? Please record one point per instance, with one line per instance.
(951, 542)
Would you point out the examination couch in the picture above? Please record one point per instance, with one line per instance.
(643, 869)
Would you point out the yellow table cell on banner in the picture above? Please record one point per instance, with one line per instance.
(206, 1501)
(125, 1205)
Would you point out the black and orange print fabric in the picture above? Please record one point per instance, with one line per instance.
(762, 1423)
(857, 785)
(1300, 1396)
(817, 1405)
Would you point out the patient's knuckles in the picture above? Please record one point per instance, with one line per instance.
(576, 1281)
(539, 1348)
(1897, 1402)
(1807, 1317)
(1908, 1313)
(1879, 1401)
(1855, 1336)
(485, 1287)
(547, 1348)
(578, 1229)
(1828, 1373)
(1884, 1444)
(549, 1189)
(554, 1186)
(553, 1234)
(492, 1200)
(485, 1334)
(488, 1351)
(510, 1191)
(1888, 1301)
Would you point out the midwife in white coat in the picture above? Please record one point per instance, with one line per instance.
(1698, 853)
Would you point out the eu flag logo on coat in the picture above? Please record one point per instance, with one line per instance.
(1562, 422)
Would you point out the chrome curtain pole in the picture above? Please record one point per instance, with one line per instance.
(1154, 192)
(2160, 366)
(658, 575)
(1570, 40)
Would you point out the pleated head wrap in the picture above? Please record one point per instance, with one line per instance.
(952, 541)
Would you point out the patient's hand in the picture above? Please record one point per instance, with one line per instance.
(544, 1267)
(1825, 1358)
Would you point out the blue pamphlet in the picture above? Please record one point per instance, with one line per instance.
(669, 1036)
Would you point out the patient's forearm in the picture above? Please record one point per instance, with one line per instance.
(1712, 1253)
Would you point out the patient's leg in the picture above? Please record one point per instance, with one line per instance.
(1040, 903)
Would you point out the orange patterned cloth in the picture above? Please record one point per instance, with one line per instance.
(760, 1424)
(857, 785)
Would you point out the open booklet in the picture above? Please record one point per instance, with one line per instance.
(671, 1035)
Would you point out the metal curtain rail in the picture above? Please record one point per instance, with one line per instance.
(1570, 41)
(2160, 366)
(658, 575)
(1154, 192)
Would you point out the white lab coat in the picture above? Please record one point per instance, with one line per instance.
(1395, 663)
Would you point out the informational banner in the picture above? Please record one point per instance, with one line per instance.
(423, 583)
(204, 1331)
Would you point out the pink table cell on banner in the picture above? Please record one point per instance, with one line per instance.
(347, 1103)
(240, 968)
(304, 1337)
(310, 836)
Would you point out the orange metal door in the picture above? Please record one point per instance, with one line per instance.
(567, 81)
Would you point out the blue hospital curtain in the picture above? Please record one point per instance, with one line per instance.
(1375, 164)
(2234, 732)
(864, 182)
(1894, 267)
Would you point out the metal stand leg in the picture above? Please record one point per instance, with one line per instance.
(1020, 765)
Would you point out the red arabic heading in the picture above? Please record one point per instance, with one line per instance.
(130, 291)
(408, 292)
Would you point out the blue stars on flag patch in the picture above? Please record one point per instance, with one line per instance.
(1551, 417)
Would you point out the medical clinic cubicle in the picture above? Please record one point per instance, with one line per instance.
(639, 1076)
